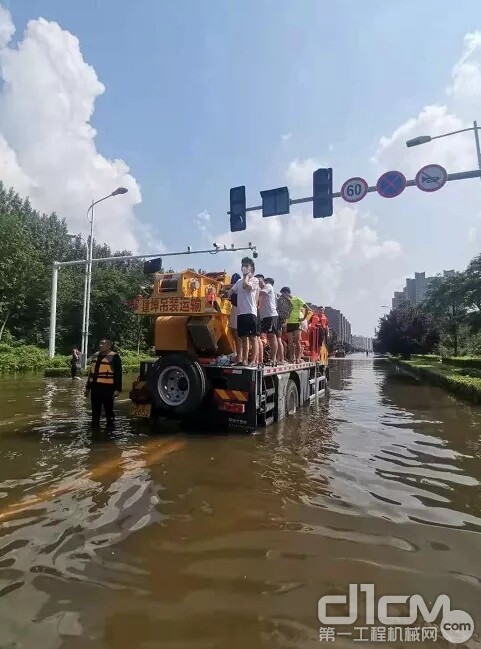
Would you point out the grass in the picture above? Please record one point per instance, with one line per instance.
(460, 381)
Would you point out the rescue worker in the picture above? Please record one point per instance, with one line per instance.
(323, 318)
(104, 382)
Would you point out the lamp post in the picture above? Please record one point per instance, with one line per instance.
(84, 307)
(78, 236)
(88, 274)
(423, 139)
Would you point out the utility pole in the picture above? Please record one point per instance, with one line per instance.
(88, 274)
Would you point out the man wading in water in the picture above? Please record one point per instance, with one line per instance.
(104, 382)
(75, 363)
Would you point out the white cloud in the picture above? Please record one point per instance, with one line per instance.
(463, 98)
(299, 173)
(326, 261)
(392, 152)
(7, 28)
(202, 221)
(465, 90)
(11, 172)
(286, 136)
(47, 144)
(344, 260)
(474, 232)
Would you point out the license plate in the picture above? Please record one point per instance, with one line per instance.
(140, 410)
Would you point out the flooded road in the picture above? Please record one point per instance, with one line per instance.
(202, 541)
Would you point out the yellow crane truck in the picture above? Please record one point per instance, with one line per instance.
(190, 380)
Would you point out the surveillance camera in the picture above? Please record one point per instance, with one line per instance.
(255, 254)
(189, 249)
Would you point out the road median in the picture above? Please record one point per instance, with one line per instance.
(457, 380)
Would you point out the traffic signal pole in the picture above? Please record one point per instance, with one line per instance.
(462, 175)
(81, 262)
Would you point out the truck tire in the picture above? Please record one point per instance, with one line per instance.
(177, 384)
(292, 398)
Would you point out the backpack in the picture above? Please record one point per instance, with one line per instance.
(284, 307)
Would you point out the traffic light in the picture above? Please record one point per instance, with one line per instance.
(238, 209)
(152, 266)
(322, 193)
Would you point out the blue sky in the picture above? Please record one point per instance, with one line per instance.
(197, 101)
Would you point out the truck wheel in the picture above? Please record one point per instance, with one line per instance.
(177, 383)
(292, 398)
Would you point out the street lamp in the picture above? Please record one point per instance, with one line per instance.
(88, 273)
(79, 237)
(423, 139)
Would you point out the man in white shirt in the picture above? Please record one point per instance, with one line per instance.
(268, 314)
(247, 289)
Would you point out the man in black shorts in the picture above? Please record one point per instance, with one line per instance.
(268, 314)
(247, 289)
(300, 313)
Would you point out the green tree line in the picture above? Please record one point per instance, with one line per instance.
(29, 243)
(448, 321)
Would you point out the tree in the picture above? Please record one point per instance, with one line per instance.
(473, 294)
(18, 268)
(446, 303)
(406, 331)
(30, 242)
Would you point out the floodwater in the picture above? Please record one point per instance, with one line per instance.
(195, 541)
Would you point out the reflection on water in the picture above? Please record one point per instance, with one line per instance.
(182, 541)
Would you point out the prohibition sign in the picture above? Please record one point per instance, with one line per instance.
(431, 178)
(391, 184)
(354, 189)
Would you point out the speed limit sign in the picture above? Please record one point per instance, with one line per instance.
(354, 190)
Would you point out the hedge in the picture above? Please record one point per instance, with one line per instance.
(28, 358)
(466, 387)
(463, 361)
(427, 357)
(60, 372)
(467, 371)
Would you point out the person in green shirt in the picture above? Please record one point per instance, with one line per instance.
(299, 313)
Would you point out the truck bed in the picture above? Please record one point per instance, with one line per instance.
(244, 398)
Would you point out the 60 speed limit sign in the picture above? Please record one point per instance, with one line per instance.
(354, 190)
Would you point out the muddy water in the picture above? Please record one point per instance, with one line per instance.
(197, 541)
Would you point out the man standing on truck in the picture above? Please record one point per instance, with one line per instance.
(247, 290)
(299, 314)
(104, 382)
(268, 314)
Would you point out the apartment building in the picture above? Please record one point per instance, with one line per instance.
(415, 289)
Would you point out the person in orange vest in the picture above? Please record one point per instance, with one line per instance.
(104, 382)
(323, 319)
